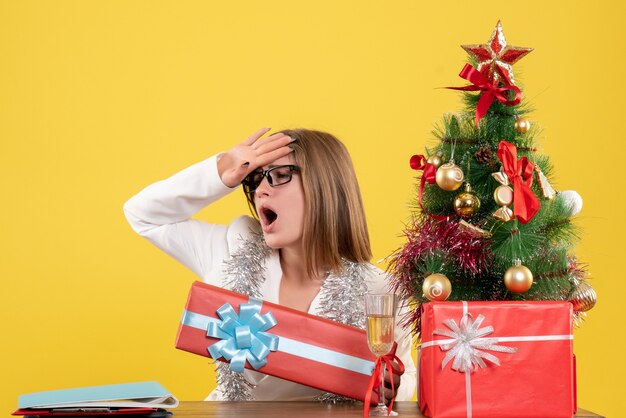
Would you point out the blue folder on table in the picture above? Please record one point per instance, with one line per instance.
(127, 395)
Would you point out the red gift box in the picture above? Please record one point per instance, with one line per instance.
(313, 351)
(531, 341)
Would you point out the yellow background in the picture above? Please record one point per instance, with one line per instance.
(99, 99)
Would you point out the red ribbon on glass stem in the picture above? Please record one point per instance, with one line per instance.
(383, 362)
(520, 173)
(489, 90)
(419, 162)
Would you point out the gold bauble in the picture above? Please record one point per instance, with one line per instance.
(503, 195)
(466, 203)
(449, 176)
(435, 160)
(518, 279)
(436, 287)
(583, 298)
(522, 125)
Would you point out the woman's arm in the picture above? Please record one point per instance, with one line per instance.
(162, 214)
(162, 211)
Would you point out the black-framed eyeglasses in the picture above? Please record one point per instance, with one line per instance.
(276, 176)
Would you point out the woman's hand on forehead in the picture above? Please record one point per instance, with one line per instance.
(242, 159)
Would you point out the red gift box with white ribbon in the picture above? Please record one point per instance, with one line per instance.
(497, 359)
(276, 340)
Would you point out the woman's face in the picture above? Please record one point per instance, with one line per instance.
(281, 209)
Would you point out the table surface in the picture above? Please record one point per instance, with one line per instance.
(293, 409)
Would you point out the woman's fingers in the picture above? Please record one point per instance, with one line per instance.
(253, 140)
(389, 395)
(396, 383)
(270, 149)
(264, 151)
(255, 136)
(272, 143)
(251, 154)
(241, 162)
(273, 156)
(395, 377)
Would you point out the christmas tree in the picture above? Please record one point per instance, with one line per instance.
(487, 224)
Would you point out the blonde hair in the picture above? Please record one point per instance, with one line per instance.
(335, 227)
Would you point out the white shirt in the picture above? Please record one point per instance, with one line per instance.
(162, 214)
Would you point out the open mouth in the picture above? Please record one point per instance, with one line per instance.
(268, 216)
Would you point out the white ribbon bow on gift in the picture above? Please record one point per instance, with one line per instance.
(468, 343)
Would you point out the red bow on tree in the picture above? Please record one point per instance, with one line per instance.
(382, 362)
(520, 173)
(419, 162)
(490, 91)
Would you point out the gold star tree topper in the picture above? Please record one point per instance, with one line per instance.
(496, 58)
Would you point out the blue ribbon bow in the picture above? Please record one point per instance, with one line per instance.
(242, 336)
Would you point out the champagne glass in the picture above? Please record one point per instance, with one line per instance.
(380, 310)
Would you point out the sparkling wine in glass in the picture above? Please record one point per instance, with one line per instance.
(380, 310)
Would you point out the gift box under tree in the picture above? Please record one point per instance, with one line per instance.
(497, 359)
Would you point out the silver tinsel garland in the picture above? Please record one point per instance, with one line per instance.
(343, 295)
(245, 270)
(342, 300)
(244, 274)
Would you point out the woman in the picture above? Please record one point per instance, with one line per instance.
(307, 248)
